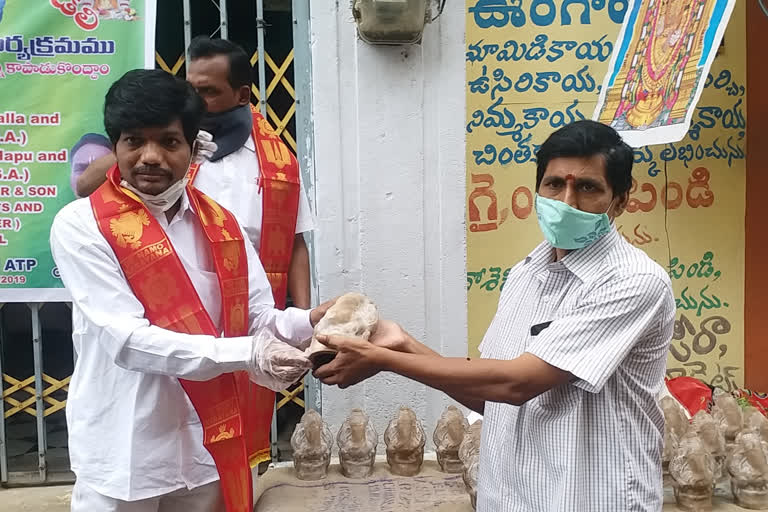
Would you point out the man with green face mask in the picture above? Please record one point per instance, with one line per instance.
(575, 357)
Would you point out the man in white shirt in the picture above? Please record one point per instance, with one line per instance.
(157, 272)
(574, 358)
(221, 72)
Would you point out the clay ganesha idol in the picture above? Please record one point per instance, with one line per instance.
(311, 443)
(708, 430)
(469, 453)
(470, 445)
(754, 419)
(748, 467)
(469, 475)
(727, 412)
(693, 471)
(357, 440)
(352, 315)
(675, 426)
(405, 441)
(448, 437)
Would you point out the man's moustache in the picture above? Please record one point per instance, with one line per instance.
(153, 171)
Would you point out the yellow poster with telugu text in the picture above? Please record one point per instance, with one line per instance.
(535, 65)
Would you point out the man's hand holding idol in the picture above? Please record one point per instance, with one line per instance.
(357, 359)
(275, 364)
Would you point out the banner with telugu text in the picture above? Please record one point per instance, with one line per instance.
(533, 66)
(57, 61)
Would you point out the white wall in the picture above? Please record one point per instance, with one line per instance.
(389, 192)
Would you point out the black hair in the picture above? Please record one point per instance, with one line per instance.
(587, 139)
(239, 63)
(151, 97)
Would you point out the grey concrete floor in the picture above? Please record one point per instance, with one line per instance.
(53, 498)
(56, 499)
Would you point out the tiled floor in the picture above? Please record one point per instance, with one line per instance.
(21, 449)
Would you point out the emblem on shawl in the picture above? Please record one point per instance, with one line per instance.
(265, 129)
(128, 228)
(158, 289)
(223, 434)
(237, 318)
(212, 215)
(231, 254)
(276, 152)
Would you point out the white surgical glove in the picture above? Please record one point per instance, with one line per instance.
(204, 147)
(275, 364)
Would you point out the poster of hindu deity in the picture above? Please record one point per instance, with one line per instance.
(657, 73)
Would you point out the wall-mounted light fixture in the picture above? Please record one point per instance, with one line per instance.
(393, 21)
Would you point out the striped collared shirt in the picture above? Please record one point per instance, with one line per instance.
(594, 444)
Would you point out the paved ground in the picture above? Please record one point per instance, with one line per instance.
(36, 499)
(56, 499)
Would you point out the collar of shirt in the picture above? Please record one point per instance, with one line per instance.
(583, 263)
(249, 145)
(184, 208)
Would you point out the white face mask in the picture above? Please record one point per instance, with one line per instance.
(163, 201)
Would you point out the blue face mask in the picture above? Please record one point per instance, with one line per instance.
(565, 227)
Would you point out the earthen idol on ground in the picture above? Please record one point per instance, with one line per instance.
(447, 437)
(311, 442)
(357, 440)
(405, 440)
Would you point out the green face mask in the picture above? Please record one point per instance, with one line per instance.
(565, 227)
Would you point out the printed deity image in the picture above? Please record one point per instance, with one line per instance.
(91, 11)
(662, 58)
(113, 9)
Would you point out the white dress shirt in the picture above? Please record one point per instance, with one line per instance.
(233, 182)
(133, 433)
(593, 445)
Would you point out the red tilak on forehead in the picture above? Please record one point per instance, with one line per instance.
(570, 177)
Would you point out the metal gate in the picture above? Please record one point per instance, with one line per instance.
(36, 357)
(33, 436)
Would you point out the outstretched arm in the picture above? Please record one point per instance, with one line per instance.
(469, 381)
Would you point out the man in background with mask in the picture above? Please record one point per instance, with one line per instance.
(251, 175)
(173, 322)
(574, 358)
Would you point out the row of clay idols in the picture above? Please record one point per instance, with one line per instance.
(404, 438)
(456, 442)
(469, 454)
(731, 443)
